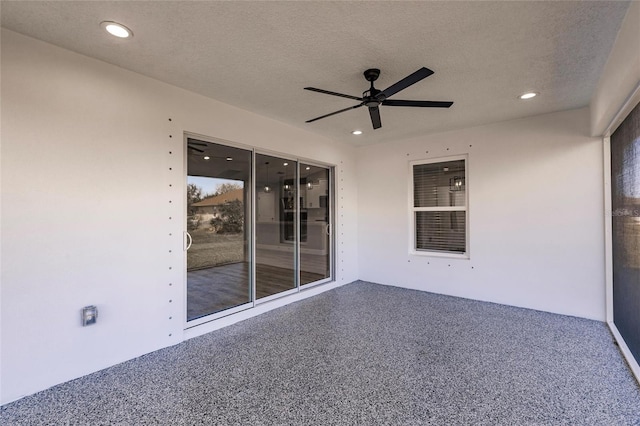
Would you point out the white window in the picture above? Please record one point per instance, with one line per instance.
(439, 207)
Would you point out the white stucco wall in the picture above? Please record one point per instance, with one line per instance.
(535, 210)
(88, 157)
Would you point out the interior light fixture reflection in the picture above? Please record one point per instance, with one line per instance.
(116, 29)
(267, 188)
(356, 132)
(206, 157)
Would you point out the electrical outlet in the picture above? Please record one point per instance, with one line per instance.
(89, 315)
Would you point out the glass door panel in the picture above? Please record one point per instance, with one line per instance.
(218, 224)
(315, 247)
(276, 226)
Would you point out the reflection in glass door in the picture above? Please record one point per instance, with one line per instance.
(276, 226)
(218, 226)
(315, 217)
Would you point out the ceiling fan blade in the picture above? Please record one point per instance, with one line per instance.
(374, 112)
(333, 113)
(426, 104)
(195, 149)
(405, 82)
(326, 92)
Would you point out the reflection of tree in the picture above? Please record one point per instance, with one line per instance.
(230, 217)
(194, 194)
(227, 187)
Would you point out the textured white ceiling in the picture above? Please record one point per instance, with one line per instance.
(258, 56)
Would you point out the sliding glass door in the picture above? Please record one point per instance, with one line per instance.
(316, 213)
(258, 226)
(277, 225)
(218, 228)
(625, 224)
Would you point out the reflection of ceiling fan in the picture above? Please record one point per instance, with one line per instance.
(373, 97)
(192, 146)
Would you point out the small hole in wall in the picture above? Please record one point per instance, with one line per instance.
(170, 136)
(172, 152)
(169, 119)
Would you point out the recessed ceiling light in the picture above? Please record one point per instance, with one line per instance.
(229, 159)
(116, 29)
(206, 157)
(356, 132)
(528, 95)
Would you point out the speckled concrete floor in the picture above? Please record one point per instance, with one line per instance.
(363, 354)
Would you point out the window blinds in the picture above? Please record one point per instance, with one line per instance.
(439, 204)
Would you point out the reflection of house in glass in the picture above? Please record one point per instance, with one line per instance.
(209, 208)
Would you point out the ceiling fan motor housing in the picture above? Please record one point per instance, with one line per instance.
(370, 97)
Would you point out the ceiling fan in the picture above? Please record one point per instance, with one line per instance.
(373, 97)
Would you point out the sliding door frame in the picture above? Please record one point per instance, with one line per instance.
(251, 225)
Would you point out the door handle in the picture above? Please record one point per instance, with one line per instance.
(189, 240)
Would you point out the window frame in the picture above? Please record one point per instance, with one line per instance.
(412, 209)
